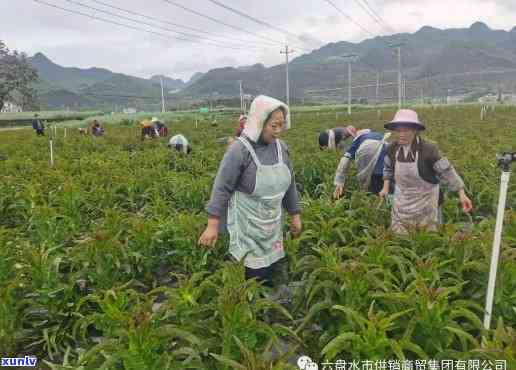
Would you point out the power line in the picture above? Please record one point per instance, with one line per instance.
(434, 77)
(353, 87)
(216, 43)
(353, 21)
(256, 20)
(100, 19)
(135, 28)
(175, 24)
(381, 22)
(379, 17)
(349, 18)
(365, 9)
(242, 14)
(111, 21)
(220, 22)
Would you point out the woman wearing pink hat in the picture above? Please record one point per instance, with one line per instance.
(417, 167)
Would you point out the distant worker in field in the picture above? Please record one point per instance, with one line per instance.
(241, 125)
(180, 144)
(336, 138)
(367, 149)
(160, 130)
(147, 129)
(38, 126)
(417, 167)
(96, 129)
(254, 182)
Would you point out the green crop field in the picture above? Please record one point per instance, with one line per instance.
(100, 268)
(8, 120)
(50, 115)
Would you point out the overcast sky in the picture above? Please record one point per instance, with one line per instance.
(74, 40)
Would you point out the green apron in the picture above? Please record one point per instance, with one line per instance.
(255, 220)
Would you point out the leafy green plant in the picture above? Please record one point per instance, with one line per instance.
(100, 268)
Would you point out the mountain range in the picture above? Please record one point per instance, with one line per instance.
(60, 87)
(434, 61)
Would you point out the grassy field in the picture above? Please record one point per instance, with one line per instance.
(99, 266)
(83, 118)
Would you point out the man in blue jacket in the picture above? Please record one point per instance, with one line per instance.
(368, 150)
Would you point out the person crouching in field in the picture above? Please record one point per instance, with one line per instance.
(367, 149)
(417, 167)
(335, 138)
(160, 130)
(96, 129)
(254, 182)
(147, 129)
(180, 144)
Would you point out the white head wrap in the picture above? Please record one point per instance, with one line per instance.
(261, 107)
(179, 140)
(331, 139)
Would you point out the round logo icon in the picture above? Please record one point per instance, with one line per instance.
(306, 363)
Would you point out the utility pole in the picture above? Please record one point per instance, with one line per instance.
(430, 88)
(287, 51)
(349, 87)
(400, 75)
(241, 97)
(350, 59)
(377, 87)
(404, 92)
(162, 96)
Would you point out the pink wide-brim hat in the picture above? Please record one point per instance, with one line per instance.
(405, 118)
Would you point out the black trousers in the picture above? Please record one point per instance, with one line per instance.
(376, 185)
(269, 276)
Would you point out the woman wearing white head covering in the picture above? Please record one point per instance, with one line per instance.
(180, 143)
(255, 181)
